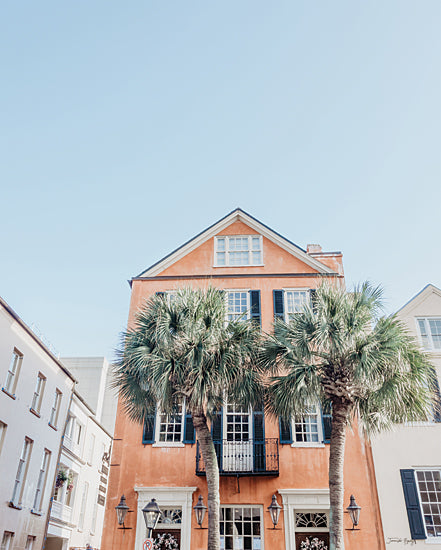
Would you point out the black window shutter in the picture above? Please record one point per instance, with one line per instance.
(437, 398)
(278, 304)
(327, 423)
(259, 439)
(216, 434)
(189, 434)
(255, 306)
(411, 498)
(285, 430)
(148, 433)
(312, 297)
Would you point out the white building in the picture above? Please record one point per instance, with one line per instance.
(408, 460)
(35, 394)
(93, 375)
(77, 513)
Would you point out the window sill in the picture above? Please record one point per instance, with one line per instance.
(433, 540)
(36, 512)
(308, 445)
(11, 395)
(36, 413)
(245, 265)
(15, 506)
(52, 426)
(165, 444)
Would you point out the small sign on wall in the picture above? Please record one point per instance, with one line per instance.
(147, 544)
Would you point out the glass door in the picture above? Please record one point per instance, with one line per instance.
(237, 449)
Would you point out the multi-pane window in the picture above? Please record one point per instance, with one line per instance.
(30, 543)
(238, 423)
(307, 428)
(7, 540)
(20, 478)
(238, 305)
(238, 250)
(295, 302)
(38, 393)
(13, 371)
(83, 506)
(41, 482)
(429, 487)
(311, 520)
(240, 528)
(171, 426)
(55, 408)
(430, 331)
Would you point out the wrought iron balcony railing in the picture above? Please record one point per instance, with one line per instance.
(250, 457)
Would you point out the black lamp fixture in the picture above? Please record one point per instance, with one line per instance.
(354, 512)
(274, 509)
(151, 513)
(121, 512)
(199, 510)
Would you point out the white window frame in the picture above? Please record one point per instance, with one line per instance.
(426, 320)
(8, 537)
(227, 250)
(30, 542)
(82, 513)
(22, 470)
(430, 538)
(287, 314)
(53, 419)
(13, 372)
(262, 526)
(247, 313)
(3, 427)
(38, 393)
(320, 442)
(159, 443)
(41, 482)
(91, 450)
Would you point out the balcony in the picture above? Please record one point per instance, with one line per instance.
(243, 458)
(60, 511)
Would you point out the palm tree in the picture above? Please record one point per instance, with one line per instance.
(340, 353)
(181, 348)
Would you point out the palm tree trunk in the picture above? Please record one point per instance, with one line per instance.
(212, 472)
(336, 485)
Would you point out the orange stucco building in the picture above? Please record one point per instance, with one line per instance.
(263, 275)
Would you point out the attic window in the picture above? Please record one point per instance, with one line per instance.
(240, 250)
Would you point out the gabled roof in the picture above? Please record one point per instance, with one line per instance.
(220, 225)
(419, 297)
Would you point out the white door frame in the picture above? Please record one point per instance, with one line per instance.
(165, 496)
(243, 449)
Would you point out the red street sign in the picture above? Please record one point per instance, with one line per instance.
(147, 544)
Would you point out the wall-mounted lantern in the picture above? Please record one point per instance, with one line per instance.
(121, 512)
(151, 513)
(199, 510)
(354, 513)
(274, 509)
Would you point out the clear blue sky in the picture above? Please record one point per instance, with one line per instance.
(128, 127)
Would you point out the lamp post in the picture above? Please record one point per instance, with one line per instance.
(121, 512)
(199, 510)
(354, 512)
(151, 513)
(274, 509)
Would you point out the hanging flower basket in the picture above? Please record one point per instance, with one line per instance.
(61, 478)
(313, 544)
(166, 541)
(70, 484)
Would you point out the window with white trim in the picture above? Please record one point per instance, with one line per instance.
(295, 302)
(240, 528)
(30, 543)
(429, 489)
(91, 449)
(38, 393)
(7, 540)
(430, 332)
(13, 371)
(307, 429)
(240, 250)
(2, 434)
(41, 482)
(170, 427)
(20, 478)
(83, 506)
(55, 408)
(238, 305)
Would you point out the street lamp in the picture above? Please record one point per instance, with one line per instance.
(121, 512)
(199, 510)
(151, 513)
(274, 510)
(354, 512)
